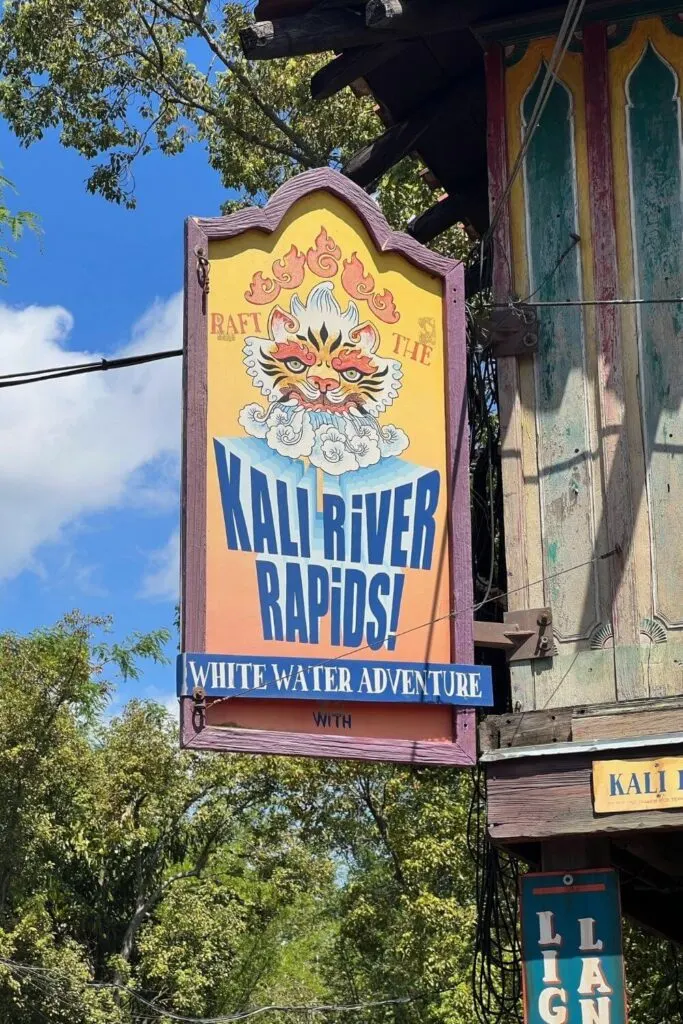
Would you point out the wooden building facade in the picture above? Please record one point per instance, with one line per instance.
(593, 424)
(575, 169)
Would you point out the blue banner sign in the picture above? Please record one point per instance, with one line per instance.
(572, 949)
(378, 682)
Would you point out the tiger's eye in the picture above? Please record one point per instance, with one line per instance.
(351, 375)
(295, 365)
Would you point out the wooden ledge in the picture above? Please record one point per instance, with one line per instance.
(626, 720)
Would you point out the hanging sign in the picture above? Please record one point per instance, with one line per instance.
(572, 948)
(327, 591)
(637, 785)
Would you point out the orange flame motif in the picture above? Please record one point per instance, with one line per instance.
(384, 307)
(262, 290)
(355, 281)
(323, 258)
(289, 271)
(360, 285)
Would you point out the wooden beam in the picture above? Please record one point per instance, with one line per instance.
(468, 206)
(438, 218)
(375, 159)
(650, 717)
(430, 179)
(575, 853)
(661, 852)
(313, 32)
(659, 913)
(350, 66)
(340, 28)
(420, 17)
(549, 797)
(648, 721)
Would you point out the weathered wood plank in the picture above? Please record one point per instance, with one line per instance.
(618, 501)
(508, 373)
(564, 446)
(580, 677)
(651, 717)
(635, 723)
(550, 797)
(543, 727)
(627, 707)
(195, 384)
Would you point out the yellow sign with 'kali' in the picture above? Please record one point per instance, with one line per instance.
(637, 785)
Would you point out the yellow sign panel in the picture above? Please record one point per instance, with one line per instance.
(637, 785)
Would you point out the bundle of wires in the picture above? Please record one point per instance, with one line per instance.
(496, 964)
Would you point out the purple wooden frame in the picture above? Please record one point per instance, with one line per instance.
(194, 733)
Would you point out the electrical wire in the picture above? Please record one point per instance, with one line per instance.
(452, 615)
(9, 380)
(672, 300)
(47, 975)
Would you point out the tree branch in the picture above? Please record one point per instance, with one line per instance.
(178, 95)
(308, 156)
(145, 905)
(383, 829)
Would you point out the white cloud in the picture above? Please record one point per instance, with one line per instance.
(163, 578)
(82, 444)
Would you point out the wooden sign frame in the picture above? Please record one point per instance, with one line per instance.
(196, 734)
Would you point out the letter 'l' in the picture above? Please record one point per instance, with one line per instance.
(546, 929)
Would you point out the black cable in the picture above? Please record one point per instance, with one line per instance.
(672, 300)
(10, 380)
(496, 964)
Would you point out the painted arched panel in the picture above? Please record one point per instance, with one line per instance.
(564, 448)
(654, 151)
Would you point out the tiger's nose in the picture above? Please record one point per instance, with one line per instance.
(324, 383)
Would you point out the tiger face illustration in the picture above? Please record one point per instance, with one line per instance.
(325, 383)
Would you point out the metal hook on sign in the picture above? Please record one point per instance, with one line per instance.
(203, 269)
(198, 707)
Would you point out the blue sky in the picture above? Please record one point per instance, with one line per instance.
(89, 502)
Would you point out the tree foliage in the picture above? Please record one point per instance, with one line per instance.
(209, 884)
(13, 223)
(121, 77)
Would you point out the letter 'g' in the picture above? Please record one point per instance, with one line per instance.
(548, 1008)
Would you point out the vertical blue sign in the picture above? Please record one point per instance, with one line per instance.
(572, 949)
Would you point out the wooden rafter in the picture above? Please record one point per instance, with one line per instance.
(340, 28)
(350, 66)
(453, 107)
(467, 206)
(422, 17)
